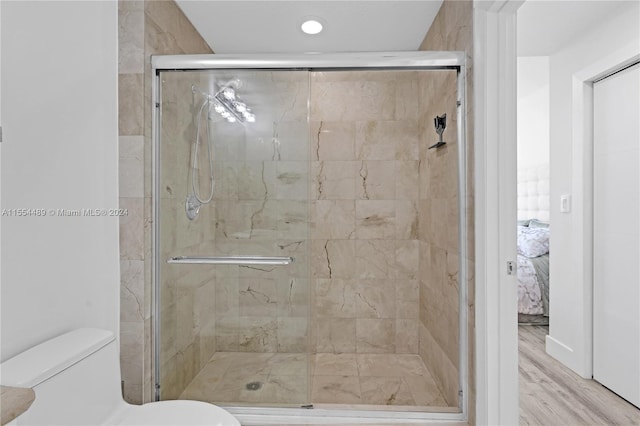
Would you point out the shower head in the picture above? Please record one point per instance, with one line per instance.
(230, 106)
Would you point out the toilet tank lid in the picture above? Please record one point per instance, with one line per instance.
(35, 365)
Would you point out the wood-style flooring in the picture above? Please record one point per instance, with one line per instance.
(551, 394)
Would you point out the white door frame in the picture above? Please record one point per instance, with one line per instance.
(495, 211)
(582, 194)
(495, 201)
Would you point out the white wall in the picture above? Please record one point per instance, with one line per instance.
(569, 333)
(533, 111)
(59, 112)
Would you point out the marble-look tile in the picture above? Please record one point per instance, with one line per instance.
(332, 140)
(233, 389)
(258, 334)
(352, 100)
(407, 141)
(168, 323)
(376, 180)
(335, 298)
(387, 140)
(408, 309)
(292, 179)
(375, 335)
(227, 298)
(445, 372)
(407, 180)
(257, 297)
(174, 26)
(130, 104)
(407, 290)
(333, 219)
(247, 364)
(407, 336)
(407, 257)
(257, 180)
(203, 386)
(207, 341)
(385, 391)
(294, 141)
(132, 290)
(132, 393)
(131, 356)
(334, 180)
(375, 219)
(375, 258)
(336, 335)
(185, 327)
(289, 364)
(329, 364)
(389, 365)
(285, 389)
(407, 299)
(407, 105)
(375, 140)
(131, 37)
(406, 220)
(131, 166)
(375, 299)
(292, 219)
(333, 258)
(204, 295)
(292, 335)
(329, 389)
(132, 229)
(425, 392)
(336, 379)
(293, 297)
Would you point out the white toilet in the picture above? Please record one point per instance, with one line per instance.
(76, 379)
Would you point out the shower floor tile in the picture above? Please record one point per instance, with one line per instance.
(281, 379)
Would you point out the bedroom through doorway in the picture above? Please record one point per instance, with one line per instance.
(555, 192)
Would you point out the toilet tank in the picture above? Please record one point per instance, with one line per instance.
(75, 376)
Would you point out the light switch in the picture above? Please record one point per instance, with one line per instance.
(565, 203)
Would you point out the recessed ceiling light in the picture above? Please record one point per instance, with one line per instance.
(311, 26)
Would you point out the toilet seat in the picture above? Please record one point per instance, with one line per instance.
(172, 413)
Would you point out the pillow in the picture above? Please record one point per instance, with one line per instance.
(524, 222)
(535, 223)
(533, 242)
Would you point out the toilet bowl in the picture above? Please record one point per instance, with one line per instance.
(76, 379)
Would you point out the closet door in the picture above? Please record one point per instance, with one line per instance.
(616, 260)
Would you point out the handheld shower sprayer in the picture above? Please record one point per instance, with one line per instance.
(195, 199)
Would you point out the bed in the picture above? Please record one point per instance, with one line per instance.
(533, 244)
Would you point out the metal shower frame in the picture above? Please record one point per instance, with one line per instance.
(371, 61)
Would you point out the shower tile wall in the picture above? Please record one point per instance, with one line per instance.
(144, 28)
(452, 29)
(438, 235)
(364, 230)
(262, 208)
(187, 292)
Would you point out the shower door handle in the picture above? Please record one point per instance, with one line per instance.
(232, 260)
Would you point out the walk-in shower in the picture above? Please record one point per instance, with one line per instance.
(309, 248)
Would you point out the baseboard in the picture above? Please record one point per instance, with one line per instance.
(559, 351)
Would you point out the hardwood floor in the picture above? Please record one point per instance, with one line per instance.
(551, 394)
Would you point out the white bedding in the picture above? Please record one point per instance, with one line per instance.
(529, 293)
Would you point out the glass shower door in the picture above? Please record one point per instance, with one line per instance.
(233, 193)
